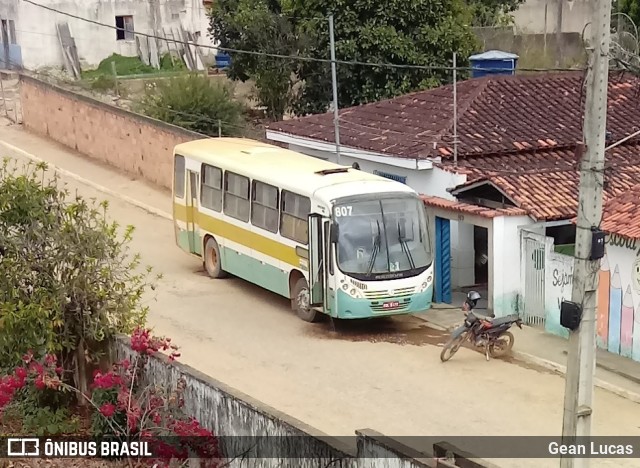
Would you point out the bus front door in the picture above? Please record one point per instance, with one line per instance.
(317, 277)
(192, 213)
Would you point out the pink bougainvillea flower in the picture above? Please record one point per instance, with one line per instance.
(108, 410)
(28, 357)
(21, 373)
(39, 383)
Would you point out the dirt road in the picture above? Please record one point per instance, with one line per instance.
(386, 376)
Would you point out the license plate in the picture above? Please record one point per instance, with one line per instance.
(390, 305)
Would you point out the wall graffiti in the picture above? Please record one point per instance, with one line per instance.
(618, 308)
(618, 298)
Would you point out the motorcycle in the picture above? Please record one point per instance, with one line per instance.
(491, 334)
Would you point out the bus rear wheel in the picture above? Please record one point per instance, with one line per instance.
(300, 302)
(212, 259)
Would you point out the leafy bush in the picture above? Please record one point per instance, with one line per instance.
(124, 66)
(68, 283)
(195, 102)
(103, 83)
(123, 407)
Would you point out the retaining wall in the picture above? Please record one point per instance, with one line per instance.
(245, 422)
(131, 142)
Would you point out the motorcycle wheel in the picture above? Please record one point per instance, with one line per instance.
(452, 347)
(502, 345)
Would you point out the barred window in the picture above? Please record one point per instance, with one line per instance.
(264, 209)
(295, 213)
(178, 176)
(236, 196)
(211, 189)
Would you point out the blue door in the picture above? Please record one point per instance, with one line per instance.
(442, 290)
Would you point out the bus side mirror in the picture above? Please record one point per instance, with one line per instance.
(334, 233)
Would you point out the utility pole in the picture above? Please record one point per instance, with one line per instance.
(455, 109)
(581, 361)
(334, 83)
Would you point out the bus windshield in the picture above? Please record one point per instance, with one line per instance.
(386, 238)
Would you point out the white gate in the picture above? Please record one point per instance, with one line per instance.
(534, 259)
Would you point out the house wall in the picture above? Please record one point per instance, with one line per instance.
(618, 297)
(428, 182)
(504, 252)
(36, 31)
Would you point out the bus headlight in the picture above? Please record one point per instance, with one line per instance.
(353, 292)
(423, 287)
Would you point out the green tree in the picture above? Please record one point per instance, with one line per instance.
(488, 13)
(628, 7)
(68, 282)
(260, 26)
(420, 32)
(196, 103)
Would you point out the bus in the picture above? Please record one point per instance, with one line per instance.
(334, 240)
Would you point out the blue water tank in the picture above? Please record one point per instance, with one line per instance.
(223, 60)
(493, 62)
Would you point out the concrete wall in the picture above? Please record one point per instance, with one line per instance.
(504, 252)
(540, 16)
(618, 299)
(535, 50)
(241, 422)
(37, 35)
(130, 142)
(558, 285)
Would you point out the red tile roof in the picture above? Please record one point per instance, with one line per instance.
(496, 114)
(545, 183)
(622, 214)
(467, 208)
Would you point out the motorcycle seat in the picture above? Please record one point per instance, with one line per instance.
(503, 320)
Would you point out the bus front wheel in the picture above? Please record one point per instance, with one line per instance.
(212, 259)
(300, 302)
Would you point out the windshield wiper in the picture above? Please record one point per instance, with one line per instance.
(376, 249)
(405, 248)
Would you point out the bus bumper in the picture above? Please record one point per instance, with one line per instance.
(352, 308)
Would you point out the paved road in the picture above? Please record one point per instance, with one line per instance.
(386, 376)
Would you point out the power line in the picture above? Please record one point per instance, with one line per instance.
(297, 57)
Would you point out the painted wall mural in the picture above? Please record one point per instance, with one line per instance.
(618, 298)
(618, 313)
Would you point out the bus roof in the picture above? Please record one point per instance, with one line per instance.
(287, 169)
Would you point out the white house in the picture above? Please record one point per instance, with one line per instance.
(30, 37)
(510, 195)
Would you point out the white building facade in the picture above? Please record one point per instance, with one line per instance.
(30, 36)
(502, 230)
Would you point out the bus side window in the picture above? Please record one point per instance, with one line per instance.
(211, 188)
(178, 176)
(294, 223)
(264, 207)
(236, 196)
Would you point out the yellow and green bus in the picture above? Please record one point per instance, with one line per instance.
(335, 240)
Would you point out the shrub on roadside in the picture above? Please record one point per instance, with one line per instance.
(196, 103)
(68, 282)
(123, 406)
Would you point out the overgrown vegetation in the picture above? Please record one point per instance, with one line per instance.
(68, 283)
(103, 79)
(195, 102)
(408, 33)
